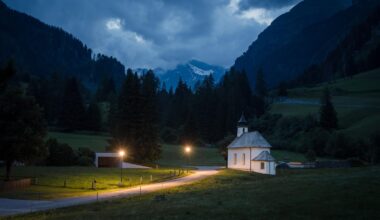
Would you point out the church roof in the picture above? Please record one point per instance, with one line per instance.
(250, 139)
(264, 156)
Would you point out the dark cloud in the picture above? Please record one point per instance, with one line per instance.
(268, 4)
(159, 33)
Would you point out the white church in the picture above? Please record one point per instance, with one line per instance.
(250, 151)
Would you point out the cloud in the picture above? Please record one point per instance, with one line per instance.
(161, 33)
(266, 4)
(114, 24)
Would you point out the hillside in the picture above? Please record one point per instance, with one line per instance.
(302, 37)
(356, 100)
(40, 49)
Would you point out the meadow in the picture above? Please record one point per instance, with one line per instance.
(172, 155)
(356, 100)
(59, 182)
(351, 193)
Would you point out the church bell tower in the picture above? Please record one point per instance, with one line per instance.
(242, 126)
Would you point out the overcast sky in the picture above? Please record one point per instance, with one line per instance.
(161, 33)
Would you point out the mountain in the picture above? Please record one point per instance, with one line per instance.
(190, 72)
(302, 37)
(40, 49)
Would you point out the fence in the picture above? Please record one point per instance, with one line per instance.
(15, 184)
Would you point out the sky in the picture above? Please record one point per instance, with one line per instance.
(160, 33)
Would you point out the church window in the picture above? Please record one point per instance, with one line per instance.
(262, 165)
(243, 159)
(235, 158)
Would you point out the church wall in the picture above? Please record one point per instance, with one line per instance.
(239, 158)
(269, 167)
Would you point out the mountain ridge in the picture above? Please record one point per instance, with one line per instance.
(283, 51)
(190, 72)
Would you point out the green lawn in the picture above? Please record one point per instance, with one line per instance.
(356, 100)
(97, 143)
(172, 155)
(351, 193)
(50, 180)
(365, 85)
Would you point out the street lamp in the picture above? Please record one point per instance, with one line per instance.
(188, 151)
(121, 154)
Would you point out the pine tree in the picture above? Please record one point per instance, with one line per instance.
(148, 148)
(128, 116)
(6, 73)
(93, 115)
(22, 129)
(328, 117)
(73, 113)
(261, 86)
(204, 106)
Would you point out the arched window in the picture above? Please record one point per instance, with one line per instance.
(243, 159)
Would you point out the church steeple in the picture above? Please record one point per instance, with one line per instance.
(242, 125)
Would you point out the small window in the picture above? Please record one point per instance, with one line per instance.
(262, 165)
(235, 159)
(243, 159)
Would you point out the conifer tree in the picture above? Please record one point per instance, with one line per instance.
(261, 86)
(148, 147)
(328, 118)
(73, 113)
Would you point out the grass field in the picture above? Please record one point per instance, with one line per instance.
(97, 143)
(172, 155)
(293, 194)
(356, 100)
(50, 180)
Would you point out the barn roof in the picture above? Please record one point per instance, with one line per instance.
(264, 156)
(250, 139)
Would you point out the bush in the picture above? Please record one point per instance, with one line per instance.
(169, 135)
(339, 146)
(85, 161)
(222, 145)
(86, 152)
(59, 154)
(310, 155)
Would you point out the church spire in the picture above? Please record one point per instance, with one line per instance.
(242, 125)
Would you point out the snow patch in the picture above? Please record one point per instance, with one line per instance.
(200, 71)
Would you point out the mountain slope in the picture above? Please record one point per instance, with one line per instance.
(301, 37)
(190, 72)
(40, 49)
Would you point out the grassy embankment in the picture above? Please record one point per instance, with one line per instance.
(356, 100)
(293, 194)
(51, 180)
(79, 179)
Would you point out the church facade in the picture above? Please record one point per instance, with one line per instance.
(250, 151)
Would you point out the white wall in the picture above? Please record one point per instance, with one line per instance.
(239, 156)
(269, 167)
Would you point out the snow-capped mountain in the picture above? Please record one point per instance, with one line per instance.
(190, 72)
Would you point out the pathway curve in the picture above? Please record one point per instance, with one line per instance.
(15, 206)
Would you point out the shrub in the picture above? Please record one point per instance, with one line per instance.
(59, 154)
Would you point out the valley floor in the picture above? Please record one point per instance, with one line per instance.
(351, 193)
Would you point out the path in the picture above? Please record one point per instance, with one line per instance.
(14, 206)
(316, 102)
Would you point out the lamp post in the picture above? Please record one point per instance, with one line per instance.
(188, 151)
(121, 154)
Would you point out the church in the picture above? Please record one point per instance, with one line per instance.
(250, 151)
